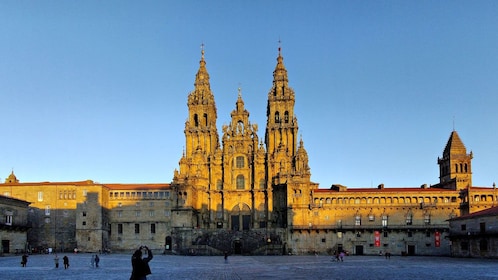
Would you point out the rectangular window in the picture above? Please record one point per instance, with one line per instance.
(384, 221)
(482, 227)
(137, 213)
(152, 228)
(240, 162)
(120, 228)
(409, 219)
(137, 228)
(427, 219)
(151, 213)
(84, 213)
(357, 221)
(83, 223)
(85, 192)
(167, 213)
(47, 210)
(8, 219)
(40, 196)
(120, 213)
(463, 227)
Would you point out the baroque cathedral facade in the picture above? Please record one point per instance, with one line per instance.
(249, 195)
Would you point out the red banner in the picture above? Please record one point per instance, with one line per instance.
(377, 238)
(437, 237)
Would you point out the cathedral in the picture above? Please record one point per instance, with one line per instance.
(246, 195)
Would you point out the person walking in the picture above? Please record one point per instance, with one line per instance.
(92, 261)
(65, 260)
(140, 266)
(24, 260)
(56, 261)
(97, 260)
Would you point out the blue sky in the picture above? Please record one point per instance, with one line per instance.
(98, 89)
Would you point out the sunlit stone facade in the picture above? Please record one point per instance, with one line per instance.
(248, 194)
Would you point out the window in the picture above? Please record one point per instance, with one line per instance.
(463, 227)
(83, 223)
(8, 218)
(151, 213)
(482, 227)
(120, 213)
(240, 182)
(120, 228)
(384, 220)
(427, 219)
(84, 213)
(385, 234)
(357, 221)
(239, 162)
(47, 210)
(286, 117)
(152, 228)
(40, 196)
(219, 185)
(410, 234)
(409, 219)
(371, 217)
(137, 228)
(137, 213)
(167, 213)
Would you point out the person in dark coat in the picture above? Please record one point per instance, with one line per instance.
(65, 260)
(24, 260)
(140, 265)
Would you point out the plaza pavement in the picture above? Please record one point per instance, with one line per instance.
(117, 266)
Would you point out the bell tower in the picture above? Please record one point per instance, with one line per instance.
(201, 141)
(281, 124)
(455, 167)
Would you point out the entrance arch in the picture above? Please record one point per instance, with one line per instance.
(240, 217)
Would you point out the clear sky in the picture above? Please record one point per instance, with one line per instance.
(98, 89)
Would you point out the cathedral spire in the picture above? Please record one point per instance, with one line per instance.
(280, 79)
(202, 76)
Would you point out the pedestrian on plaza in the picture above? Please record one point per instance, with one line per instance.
(92, 261)
(341, 255)
(65, 260)
(56, 261)
(226, 256)
(97, 260)
(140, 265)
(24, 260)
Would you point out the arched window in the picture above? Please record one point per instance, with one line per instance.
(262, 184)
(286, 117)
(466, 169)
(277, 117)
(240, 182)
(456, 167)
(205, 119)
(196, 120)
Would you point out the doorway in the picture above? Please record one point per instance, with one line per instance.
(359, 250)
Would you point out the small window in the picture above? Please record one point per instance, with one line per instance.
(463, 227)
(357, 221)
(120, 228)
(409, 219)
(152, 228)
(137, 228)
(8, 219)
(239, 162)
(240, 182)
(384, 220)
(40, 196)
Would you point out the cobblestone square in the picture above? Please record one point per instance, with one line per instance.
(117, 266)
